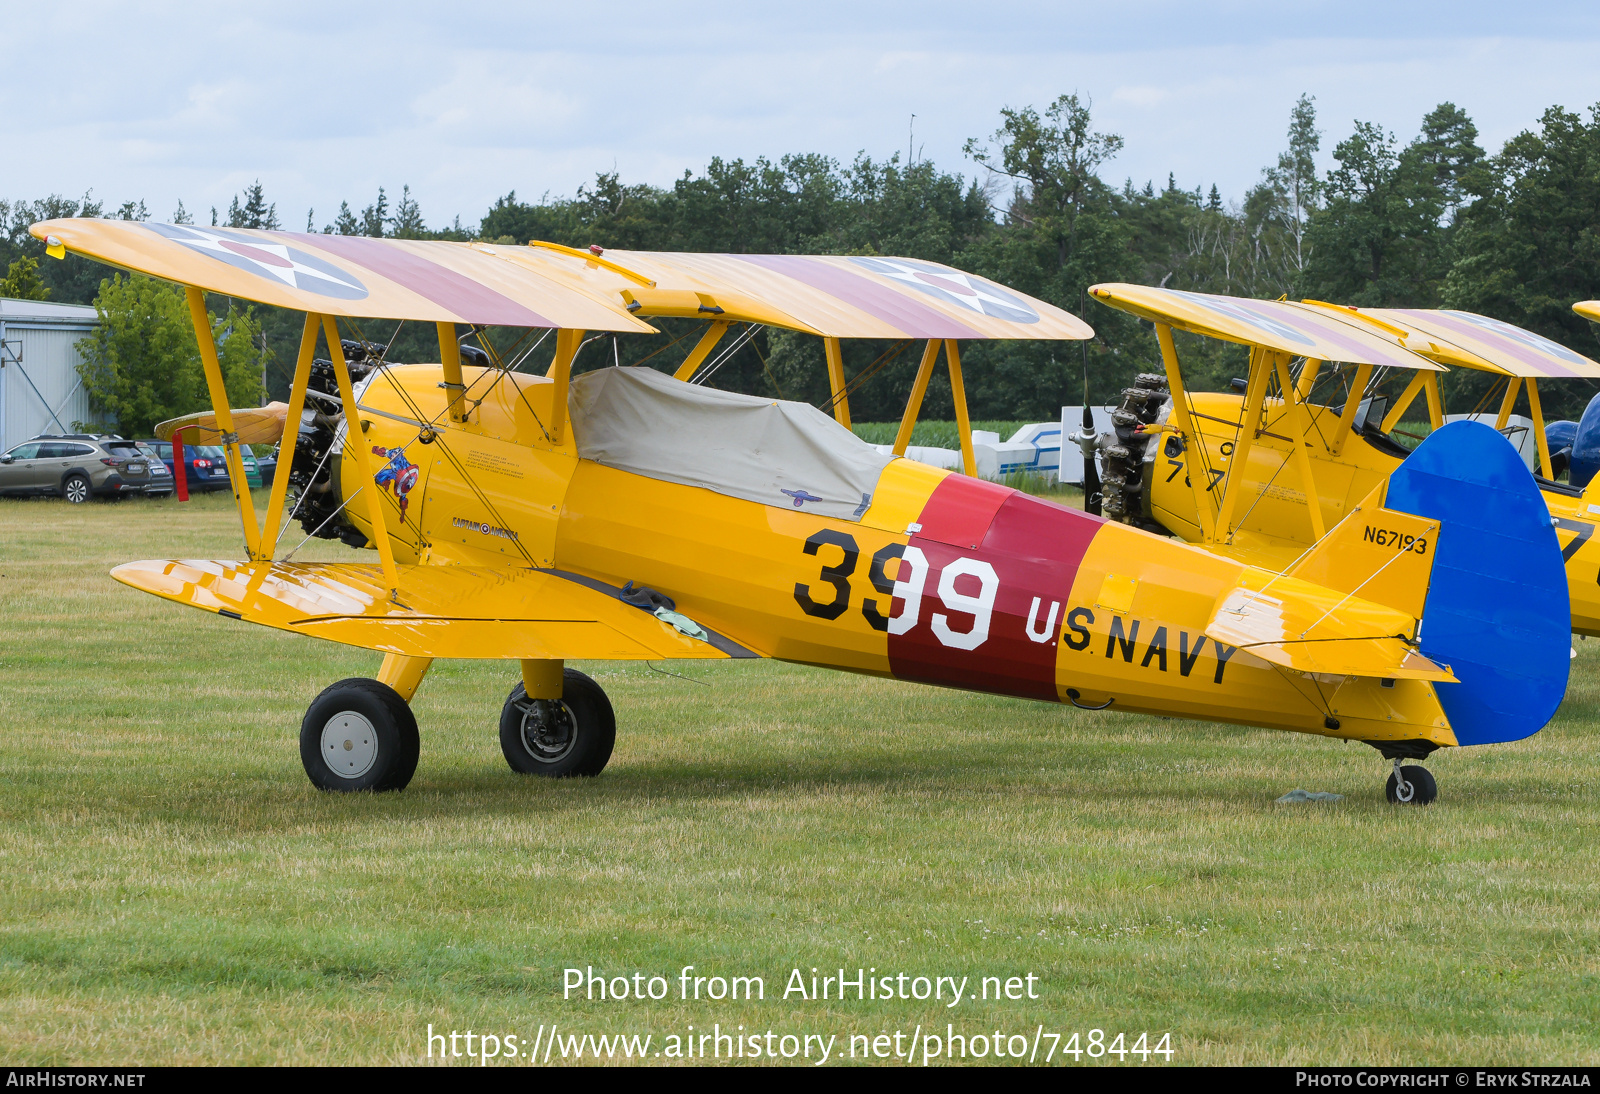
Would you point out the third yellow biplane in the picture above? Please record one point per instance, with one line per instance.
(624, 513)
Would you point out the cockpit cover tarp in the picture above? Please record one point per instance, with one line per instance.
(762, 450)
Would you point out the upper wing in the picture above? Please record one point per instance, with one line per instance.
(424, 280)
(1296, 329)
(543, 285)
(1476, 341)
(448, 611)
(836, 296)
(1589, 309)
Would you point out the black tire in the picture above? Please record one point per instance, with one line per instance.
(559, 738)
(1423, 789)
(77, 489)
(345, 714)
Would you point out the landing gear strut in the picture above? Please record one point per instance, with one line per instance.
(1410, 785)
(556, 738)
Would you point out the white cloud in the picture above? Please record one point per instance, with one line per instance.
(325, 103)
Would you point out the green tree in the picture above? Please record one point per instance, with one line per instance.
(1061, 233)
(407, 222)
(1448, 149)
(141, 364)
(1529, 246)
(1053, 160)
(518, 222)
(72, 280)
(915, 211)
(1385, 236)
(1293, 181)
(374, 216)
(345, 223)
(255, 212)
(22, 281)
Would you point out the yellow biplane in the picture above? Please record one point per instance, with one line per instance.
(1313, 419)
(623, 513)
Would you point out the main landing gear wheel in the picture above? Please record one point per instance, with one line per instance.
(359, 735)
(1410, 785)
(557, 738)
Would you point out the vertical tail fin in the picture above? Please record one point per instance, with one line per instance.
(1497, 610)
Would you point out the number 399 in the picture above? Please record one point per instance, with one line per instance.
(908, 586)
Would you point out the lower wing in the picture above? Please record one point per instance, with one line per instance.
(443, 611)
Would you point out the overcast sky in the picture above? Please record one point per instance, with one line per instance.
(468, 100)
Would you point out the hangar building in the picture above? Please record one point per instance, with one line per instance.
(40, 390)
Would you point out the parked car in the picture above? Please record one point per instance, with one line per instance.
(78, 466)
(204, 464)
(268, 465)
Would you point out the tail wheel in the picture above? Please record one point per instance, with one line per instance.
(1411, 785)
(359, 735)
(557, 738)
(76, 489)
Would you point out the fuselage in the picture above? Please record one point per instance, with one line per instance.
(944, 579)
(1271, 525)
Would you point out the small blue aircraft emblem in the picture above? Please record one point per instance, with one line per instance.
(801, 497)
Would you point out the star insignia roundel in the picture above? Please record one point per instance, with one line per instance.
(266, 258)
(953, 287)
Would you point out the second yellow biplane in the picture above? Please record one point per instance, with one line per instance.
(623, 513)
(1314, 419)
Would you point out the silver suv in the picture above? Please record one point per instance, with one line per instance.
(78, 466)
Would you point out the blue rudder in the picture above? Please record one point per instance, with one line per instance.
(1497, 610)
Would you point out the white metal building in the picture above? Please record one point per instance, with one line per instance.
(40, 390)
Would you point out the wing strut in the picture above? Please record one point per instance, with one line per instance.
(1358, 391)
(450, 363)
(958, 392)
(702, 350)
(1255, 398)
(1191, 439)
(355, 435)
(1538, 429)
(1508, 404)
(1403, 404)
(908, 421)
(1301, 433)
(291, 435)
(219, 405)
(568, 343)
(841, 397)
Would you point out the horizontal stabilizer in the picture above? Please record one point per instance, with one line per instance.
(444, 611)
(1298, 625)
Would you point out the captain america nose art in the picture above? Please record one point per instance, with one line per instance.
(274, 261)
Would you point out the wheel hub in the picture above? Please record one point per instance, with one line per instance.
(349, 745)
(548, 731)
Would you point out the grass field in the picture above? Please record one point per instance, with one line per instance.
(173, 890)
